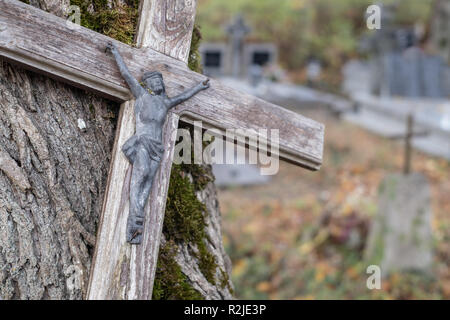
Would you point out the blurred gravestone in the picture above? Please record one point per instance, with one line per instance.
(214, 57)
(313, 71)
(262, 54)
(255, 74)
(233, 175)
(400, 238)
(238, 173)
(237, 57)
(434, 77)
(402, 67)
(411, 73)
(408, 73)
(357, 77)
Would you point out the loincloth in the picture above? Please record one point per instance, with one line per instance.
(153, 147)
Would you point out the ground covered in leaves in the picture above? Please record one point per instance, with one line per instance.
(302, 236)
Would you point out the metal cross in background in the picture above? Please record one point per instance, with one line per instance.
(237, 31)
(409, 134)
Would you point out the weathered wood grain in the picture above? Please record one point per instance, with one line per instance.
(45, 43)
(171, 24)
(111, 246)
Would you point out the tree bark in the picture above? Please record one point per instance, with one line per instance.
(52, 178)
(55, 148)
(221, 287)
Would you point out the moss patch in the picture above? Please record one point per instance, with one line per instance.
(118, 22)
(184, 213)
(194, 54)
(170, 282)
(200, 176)
(184, 221)
(225, 281)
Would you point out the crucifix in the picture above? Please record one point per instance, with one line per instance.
(144, 150)
(50, 45)
(409, 134)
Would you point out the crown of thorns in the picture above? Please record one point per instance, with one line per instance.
(152, 74)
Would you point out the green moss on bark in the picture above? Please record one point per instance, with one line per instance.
(200, 175)
(225, 281)
(194, 61)
(118, 22)
(170, 282)
(185, 215)
(184, 212)
(184, 221)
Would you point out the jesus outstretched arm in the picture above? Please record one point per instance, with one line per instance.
(189, 93)
(134, 85)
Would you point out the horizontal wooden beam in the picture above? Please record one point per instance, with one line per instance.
(51, 45)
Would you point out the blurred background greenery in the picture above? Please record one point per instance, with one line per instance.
(324, 29)
(294, 238)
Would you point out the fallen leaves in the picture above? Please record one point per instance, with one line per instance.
(302, 235)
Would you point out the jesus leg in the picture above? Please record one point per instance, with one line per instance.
(140, 174)
(147, 184)
(144, 171)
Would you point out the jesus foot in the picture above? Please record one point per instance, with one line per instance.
(135, 227)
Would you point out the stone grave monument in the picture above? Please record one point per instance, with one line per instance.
(400, 237)
(237, 58)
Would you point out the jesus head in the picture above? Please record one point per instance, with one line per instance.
(154, 81)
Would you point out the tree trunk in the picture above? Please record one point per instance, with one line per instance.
(55, 147)
(52, 178)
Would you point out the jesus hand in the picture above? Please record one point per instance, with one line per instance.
(205, 84)
(111, 47)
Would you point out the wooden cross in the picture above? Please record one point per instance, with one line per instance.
(50, 45)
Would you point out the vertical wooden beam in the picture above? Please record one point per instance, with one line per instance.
(120, 270)
(167, 26)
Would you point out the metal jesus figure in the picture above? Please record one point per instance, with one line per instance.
(144, 150)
